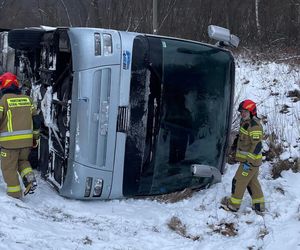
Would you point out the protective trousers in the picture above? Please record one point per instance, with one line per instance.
(247, 179)
(14, 161)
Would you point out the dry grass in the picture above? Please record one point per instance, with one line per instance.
(280, 166)
(284, 109)
(270, 53)
(225, 228)
(87, 241)
(263, 233)
(174, 197)
(275, 149)
(177, 226)
(280, 190)
(294, 94)
(273, 154)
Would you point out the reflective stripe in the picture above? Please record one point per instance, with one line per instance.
(245, 174)
(1, 108)
(13, 189)
(6, 82)
(259, 200)
(256, 134)
(36, 134)
(244, 155)
(244, 131)
(9, 122)
(26, 171)
(19, 102)
(16, 137)
(254, 156)
(235, 201)
(18, 132)
(241, 154)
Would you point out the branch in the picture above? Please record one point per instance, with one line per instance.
(288, 58)
(278, 39)
(2, 4)
(88, 13)
(129, 23)
(129, 19)
(257, 2)
(67, 12)
(168, 13)
(40, 11)
(141, 19)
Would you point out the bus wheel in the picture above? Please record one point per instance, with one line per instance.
(44, 156)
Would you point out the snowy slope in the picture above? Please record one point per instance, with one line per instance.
(45, 220)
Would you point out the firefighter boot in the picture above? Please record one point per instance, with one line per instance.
(29, 183)
(225, 204)
(259, 208)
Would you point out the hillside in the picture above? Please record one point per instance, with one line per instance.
(45, 220)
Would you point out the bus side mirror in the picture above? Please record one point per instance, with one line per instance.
(205, 171)
(223, 36)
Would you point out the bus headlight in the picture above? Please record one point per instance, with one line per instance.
(88, 186)
(107, 44)
(97, 41)
(98, 188)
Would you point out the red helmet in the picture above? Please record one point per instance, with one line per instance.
(7, 80)
(248, 105)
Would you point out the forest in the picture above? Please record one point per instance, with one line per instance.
(266, 25)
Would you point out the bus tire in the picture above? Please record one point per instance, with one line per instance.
(43, 163)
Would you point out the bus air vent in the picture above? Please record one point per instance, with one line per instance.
(123, 119)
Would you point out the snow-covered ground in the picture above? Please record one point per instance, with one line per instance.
(45, 220)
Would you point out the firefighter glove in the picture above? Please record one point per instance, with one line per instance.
(246, 167)
(35, 143)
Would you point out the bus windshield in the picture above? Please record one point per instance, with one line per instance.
(186, 114)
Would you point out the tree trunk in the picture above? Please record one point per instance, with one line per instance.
(67, 12)
(258, 27)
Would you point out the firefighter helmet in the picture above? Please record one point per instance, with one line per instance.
(248, 105)
(7, 80)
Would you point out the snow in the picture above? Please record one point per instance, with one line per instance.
(46, 107)
(45, 220)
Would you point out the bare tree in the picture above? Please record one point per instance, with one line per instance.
(154, 16)
(2, 4)
(256, 22)
(93, 11)
(40, 11)
(67, 12)
(257, 18)
(169, 10)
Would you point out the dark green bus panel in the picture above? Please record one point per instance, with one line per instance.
(181, 98)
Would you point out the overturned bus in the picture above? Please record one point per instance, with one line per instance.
(126, 114)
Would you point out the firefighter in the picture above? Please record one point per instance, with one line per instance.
(248, 153)
(19, 132)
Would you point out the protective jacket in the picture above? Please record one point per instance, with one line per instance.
(249, 145)
(17, 129)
